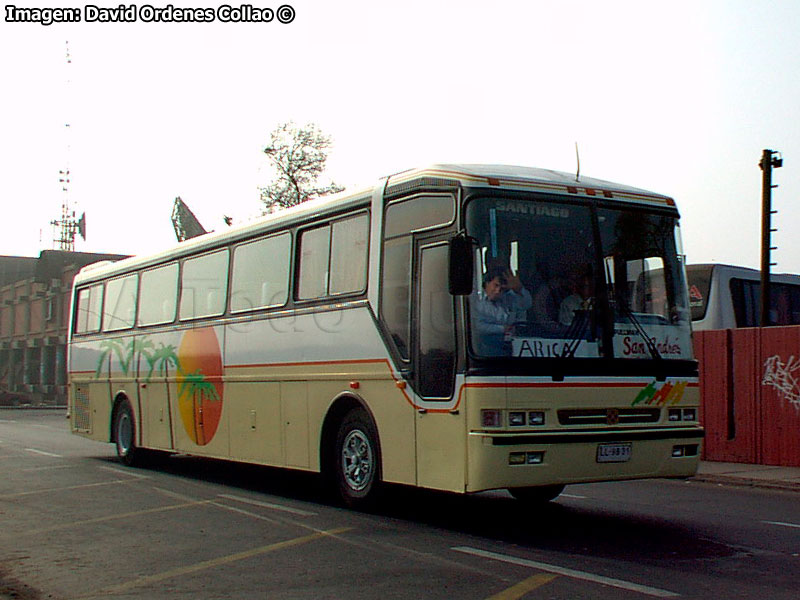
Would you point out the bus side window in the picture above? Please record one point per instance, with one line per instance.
(204, 286)
(314, 258)
(88, 309)
(158, 295)
(395, 290)
(349, 255)
(260, 277)
(120, 306)
(404, 218)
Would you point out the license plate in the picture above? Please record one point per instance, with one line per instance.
(611, 453)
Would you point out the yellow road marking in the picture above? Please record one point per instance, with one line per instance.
(523, 587)
(214, 562)
(135, 513)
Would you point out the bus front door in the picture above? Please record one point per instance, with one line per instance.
(440, 439)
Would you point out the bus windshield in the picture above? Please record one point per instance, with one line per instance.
(571, 280)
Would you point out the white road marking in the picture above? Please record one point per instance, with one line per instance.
(43, 453)
(575, 496)
(52, 468)
(129, 473)
(617, 583)
(281, 507)
(782, 524)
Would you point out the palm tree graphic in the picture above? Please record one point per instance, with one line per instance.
(198, 388)
(116, 347)
(160, 360)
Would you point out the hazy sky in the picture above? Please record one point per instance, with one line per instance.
(678, 98)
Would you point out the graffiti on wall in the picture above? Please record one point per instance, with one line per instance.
(783, 376)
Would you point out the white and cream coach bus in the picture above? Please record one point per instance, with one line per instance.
(346, 336)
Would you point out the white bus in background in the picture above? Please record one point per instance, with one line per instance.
(727, 297)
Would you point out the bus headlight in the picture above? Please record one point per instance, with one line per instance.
(516, 419)
(536, 418)
(682, 414)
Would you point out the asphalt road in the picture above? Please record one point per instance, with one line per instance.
(77, 524)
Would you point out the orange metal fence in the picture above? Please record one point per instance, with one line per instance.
(750, 394)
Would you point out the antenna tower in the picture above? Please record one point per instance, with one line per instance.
(65, 228)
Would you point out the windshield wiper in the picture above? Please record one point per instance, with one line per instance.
(577, 329)
(651, 345)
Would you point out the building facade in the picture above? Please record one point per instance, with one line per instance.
(34, 321)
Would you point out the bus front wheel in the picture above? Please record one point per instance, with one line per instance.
(125, 434)
(357, 460)
(543, 493)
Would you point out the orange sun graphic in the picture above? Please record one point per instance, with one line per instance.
(200, 387)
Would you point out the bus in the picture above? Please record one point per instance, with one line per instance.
(344, 337)
(726, 297)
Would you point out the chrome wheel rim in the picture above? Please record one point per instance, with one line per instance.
(124, 434)
(357, 460)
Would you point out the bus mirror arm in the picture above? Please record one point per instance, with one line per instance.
(461, 264)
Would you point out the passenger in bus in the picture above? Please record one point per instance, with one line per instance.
(579, 299)
(495, 309)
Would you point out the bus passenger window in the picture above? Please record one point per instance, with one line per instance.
(349, 255)
(88, 309)
(204, 285)
(261, 274)
(158, 297)
(314, 255)
(120, 305)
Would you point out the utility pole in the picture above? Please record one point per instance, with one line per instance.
(769, 160)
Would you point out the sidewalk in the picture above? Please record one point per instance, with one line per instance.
(765, 476)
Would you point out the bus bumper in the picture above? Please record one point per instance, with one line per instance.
(519, 460)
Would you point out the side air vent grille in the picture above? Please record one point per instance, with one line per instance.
(81, 420)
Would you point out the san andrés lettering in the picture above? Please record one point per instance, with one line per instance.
(635, 347)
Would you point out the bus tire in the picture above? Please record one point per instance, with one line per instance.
(542, 493)
(357, 460)
(125, 434)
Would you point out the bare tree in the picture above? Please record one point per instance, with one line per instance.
(298, 155)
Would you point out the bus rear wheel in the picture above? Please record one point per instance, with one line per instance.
(357, 460)
(542, 493)
(125, 434)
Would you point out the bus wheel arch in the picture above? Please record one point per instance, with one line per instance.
(350, 452)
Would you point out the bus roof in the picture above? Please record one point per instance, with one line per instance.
(530, 178)
(467, 175)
